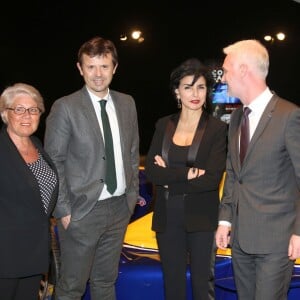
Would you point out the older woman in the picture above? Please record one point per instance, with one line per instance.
(28, 191)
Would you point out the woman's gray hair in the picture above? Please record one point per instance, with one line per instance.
(10, 93)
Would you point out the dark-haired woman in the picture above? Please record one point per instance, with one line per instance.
(186, 161)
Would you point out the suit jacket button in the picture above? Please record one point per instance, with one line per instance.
(101, 180)
(103, 157)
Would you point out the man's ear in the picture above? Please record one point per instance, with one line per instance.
(243, 69)
(115, 68)
(79, 68)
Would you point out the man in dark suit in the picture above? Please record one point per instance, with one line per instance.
(91, 219)
(261, 202)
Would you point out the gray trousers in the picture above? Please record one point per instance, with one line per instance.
(261, 276)
(90, 250)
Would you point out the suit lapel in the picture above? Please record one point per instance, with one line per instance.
(121, 113)
(86, 106)
(262, 124)
(20, 169)
(235, 149)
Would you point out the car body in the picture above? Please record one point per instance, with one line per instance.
(140, 274)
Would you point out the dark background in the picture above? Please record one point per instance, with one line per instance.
(40, 40)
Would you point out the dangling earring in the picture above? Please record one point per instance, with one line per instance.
(179, 103)
(204, 105)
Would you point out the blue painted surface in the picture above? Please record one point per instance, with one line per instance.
(142, 279)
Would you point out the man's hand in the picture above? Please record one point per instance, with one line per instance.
(222, 236)
(294, 247)
(65, 221)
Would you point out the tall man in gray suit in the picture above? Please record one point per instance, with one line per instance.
(261, 202)
(91, 220)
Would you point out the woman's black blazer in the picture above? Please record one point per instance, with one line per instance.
(24, 225)
(201, 194)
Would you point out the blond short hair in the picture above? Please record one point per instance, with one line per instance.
(10, 93)
(252, 52)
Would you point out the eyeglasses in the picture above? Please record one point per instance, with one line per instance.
(20, 110)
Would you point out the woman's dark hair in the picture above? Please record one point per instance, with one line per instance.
(193, 67)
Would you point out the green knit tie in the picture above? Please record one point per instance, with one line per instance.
(110, 179)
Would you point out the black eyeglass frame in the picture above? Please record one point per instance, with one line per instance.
(20, 110)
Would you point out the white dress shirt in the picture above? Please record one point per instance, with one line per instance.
(114, 125)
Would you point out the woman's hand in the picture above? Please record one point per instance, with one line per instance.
(159, 161)
(195, 173)
(192, 174)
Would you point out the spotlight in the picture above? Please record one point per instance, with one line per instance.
(268, 38)
(136, 34)
(123, 37)
(280, 36)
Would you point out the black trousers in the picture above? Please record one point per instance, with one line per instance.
(25, 288)
(177, 248)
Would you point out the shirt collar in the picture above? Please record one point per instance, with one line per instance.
(261, 101)
(95, 98)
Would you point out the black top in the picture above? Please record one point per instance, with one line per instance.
(177, 159)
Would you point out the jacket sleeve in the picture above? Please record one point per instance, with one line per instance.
(156, 174)
(57, 135)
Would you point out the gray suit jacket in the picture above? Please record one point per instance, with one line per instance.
(263, 195)
(74, 141)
